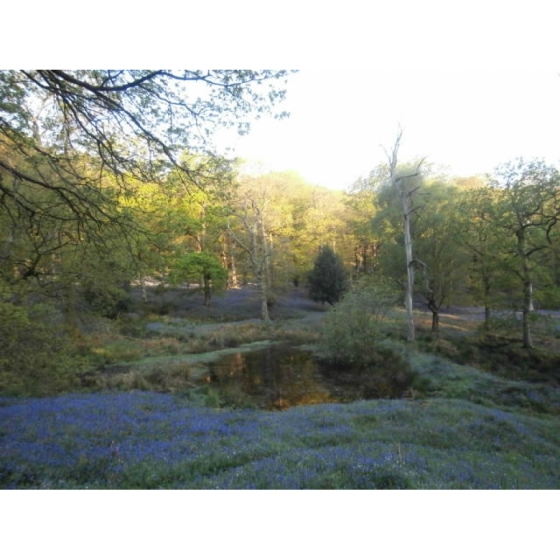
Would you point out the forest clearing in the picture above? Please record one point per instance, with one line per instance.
(172, 317)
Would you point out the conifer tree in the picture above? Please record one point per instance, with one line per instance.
(328, 280)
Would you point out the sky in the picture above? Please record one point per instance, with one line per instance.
(472, 83)
(464, 121)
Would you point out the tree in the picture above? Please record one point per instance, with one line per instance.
(249, 209)
(528, 209)
(438, 248)
(488, 277)
(328, 280)
(200, 266)
(362, 205)
(135, 121)
(406, 188)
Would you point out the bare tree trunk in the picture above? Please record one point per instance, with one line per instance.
(255, 248)
(435, 321)
(259, 258)
(143, 289)
(228, 261)
(410, 331)
(527, 288)
(487, 286)
(527, 308)
(406, 198)
(263, 293)
(207, 289)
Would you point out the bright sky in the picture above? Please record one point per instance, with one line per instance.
(473, 83)
(468, 120)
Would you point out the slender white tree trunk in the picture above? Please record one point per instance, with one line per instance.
(405, 196)
(410, 329)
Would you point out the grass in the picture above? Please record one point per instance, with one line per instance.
(474, 418)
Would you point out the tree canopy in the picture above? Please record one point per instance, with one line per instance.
(75, 145)
(62, 133)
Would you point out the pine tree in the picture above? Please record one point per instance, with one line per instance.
(328, 279)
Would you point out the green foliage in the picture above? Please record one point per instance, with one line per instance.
(108, 302)
(328, 280)
(197, 267)
(37, 356)
(193, 267)
(548, 297)
(353, 329)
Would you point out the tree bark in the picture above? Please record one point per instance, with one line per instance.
(435, 321)
(405, 197)
(527, 288)
(527, 308)
(411, 333)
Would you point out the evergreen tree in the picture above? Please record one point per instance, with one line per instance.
(328, 279)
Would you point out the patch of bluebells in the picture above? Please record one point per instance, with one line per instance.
(337, 466)
(100, 439)
(71, 431)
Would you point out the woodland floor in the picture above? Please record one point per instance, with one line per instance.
(481, 413)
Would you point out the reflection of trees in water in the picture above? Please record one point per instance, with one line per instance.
(279, 377)
(276, 377)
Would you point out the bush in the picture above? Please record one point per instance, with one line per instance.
(37, 356)
(352, 329)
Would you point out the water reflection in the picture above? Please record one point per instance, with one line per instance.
(280, 377)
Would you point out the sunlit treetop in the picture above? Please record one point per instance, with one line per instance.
(127, 115)
(61, 132)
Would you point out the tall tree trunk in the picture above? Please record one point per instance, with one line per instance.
(263, 293)
(259, 261)
(234, 281)
(434, 307)
(207, 289)
(228, 261)
(527, 308)
(435, 321)
(405, 196)
(143, 289)
(487, 287)
(411, 333)
(527, 288)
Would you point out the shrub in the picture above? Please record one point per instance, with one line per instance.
(37, 356)
(352, 329)
(108, 301)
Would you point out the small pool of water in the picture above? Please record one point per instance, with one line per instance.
(280, 377)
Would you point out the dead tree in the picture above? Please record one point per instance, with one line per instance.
(406, 197)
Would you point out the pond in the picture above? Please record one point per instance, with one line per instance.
(279, 377)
